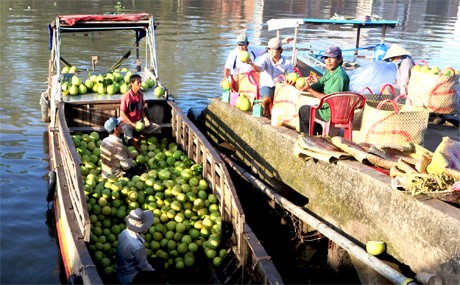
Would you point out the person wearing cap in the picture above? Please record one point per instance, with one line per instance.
(115, 159)
(401, 57)
(132, 111)
(234, 66)
(335, 79)
(271, 65)
(132, 265)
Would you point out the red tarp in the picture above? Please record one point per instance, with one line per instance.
(73, 19)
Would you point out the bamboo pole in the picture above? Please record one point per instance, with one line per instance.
(352, 248)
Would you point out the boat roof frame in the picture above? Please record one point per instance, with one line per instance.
(278, 24)
(93, 23)
(86, 23)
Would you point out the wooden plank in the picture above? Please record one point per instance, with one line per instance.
(261, 261)
(71, 164)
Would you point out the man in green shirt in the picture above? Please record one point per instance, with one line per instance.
(336, 80)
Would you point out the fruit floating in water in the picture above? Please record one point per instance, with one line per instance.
(375, 247)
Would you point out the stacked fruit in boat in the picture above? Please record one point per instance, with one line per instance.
(110, 83)
(187, 218)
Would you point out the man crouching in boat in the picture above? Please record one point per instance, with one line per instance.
(132, 111)
(336, 80)
(132, 265)
(115, 158)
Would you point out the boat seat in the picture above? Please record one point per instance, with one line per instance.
(342, 106)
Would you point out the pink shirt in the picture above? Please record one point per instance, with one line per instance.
(131, 105)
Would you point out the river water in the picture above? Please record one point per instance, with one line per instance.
(193, 40)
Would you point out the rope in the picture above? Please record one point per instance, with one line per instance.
(259, 259)
(84, 267)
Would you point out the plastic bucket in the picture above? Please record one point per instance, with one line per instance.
(277, 117)
(233, 97)
(226, 96)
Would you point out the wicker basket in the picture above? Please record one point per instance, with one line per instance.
(446, 196)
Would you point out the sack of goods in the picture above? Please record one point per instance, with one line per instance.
(433, 89)
(288, 99)
(387, 123)
(249, 85)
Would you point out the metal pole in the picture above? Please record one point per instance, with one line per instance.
(352, 248)
(294, 47)
(357, 39)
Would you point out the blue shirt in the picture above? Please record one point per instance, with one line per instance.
(269, 70)
(131, 256)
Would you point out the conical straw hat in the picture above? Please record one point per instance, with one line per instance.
(395, 50)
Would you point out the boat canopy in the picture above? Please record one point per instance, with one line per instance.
(82, 23)
(365, 22)
(355, 22)
(143, 24)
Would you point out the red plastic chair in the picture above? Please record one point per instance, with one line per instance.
(342, 106)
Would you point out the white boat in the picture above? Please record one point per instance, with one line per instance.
(308, 59)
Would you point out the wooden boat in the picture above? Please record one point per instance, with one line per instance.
(86, 113)
(308, 60)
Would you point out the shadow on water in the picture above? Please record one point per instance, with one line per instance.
(52, 233)
(300, 257)
(299, 253)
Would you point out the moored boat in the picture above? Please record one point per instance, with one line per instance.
(70, 113)
(308, 58)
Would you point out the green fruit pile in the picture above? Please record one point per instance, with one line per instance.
(116, 82)
(434, 70)
(187, 218)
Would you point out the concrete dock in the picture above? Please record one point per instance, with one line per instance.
(355, 199)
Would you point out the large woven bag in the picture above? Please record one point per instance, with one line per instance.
(249, 85)
(388, 123)
(287, 98)
(435, 92)
(387, 91)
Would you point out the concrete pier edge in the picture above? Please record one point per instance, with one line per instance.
(422, 233)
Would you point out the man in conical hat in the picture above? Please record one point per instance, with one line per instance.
(133, 265)
(401, 57)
